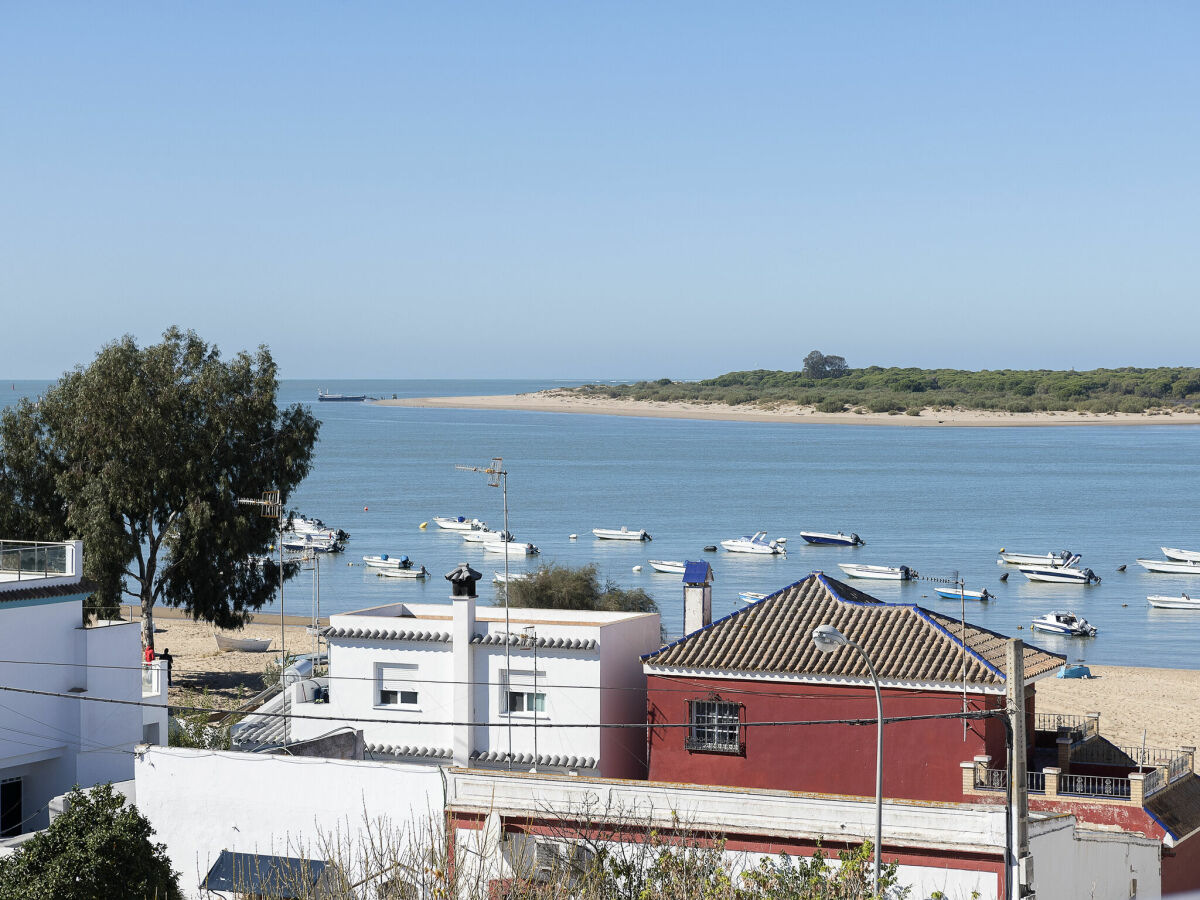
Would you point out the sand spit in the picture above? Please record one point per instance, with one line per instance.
(566, 402)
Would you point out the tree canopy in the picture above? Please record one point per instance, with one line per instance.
(563, 587)
(98, 847)
(143, 455)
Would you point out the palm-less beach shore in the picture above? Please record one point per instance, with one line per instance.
(564, 401)
(1161, 701)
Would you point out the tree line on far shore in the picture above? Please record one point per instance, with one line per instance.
(827, 384)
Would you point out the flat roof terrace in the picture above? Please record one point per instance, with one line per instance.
(25, 564)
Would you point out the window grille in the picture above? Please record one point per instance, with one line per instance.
(715, 726)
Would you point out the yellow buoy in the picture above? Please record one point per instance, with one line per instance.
(423, 525)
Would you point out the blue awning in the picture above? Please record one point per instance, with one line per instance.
(257, 873)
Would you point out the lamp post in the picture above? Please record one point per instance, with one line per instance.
(827, 639)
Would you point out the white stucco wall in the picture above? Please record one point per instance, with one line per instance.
(202, 802)
(1072, 863)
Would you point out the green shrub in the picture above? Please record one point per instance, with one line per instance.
(831, 406)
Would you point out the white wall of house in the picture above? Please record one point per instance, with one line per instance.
(52, 743)
(1099, 865)
(580, 686)
(202, 802)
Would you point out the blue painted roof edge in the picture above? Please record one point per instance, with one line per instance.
(1161, 825)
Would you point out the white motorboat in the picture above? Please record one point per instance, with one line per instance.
(754, 543)
(750, 596)
(1181, 602)
(321, 543)
(459, 523)
(667, 566)
(1170, 566)
(305, 525)
(956, 594)
(412, 572)
(387, 562)
(839, 539)
(1044, 561)
(483, 535)
(621, 534)
(1067, 574)
(1063, 622)
(880, 573)
(1181, 555)
(501, 578)
(512, 548)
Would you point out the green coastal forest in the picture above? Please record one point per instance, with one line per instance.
(829, 385)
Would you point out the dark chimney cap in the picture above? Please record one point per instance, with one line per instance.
(462, 581)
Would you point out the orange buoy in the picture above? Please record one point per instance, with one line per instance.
(364, 509)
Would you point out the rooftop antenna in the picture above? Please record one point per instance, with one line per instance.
(498, 477)
(961, 584)
(271, 507)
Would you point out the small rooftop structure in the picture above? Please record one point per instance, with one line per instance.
(697, 573)
(39, 564)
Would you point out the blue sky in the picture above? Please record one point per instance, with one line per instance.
(602, 190)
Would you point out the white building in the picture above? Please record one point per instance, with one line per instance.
(456, 684)
(49, 743)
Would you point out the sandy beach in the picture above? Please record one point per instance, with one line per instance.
(562, 401)
(1129, 699)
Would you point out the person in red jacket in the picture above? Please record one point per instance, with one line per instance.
(149, 655)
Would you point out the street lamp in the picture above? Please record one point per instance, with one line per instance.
(827, 639)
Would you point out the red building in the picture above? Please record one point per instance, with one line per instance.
(728, 701)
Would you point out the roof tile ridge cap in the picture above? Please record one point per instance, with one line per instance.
(923, 613)
(724, 618)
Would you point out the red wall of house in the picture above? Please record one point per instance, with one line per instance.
(1181, 867)
(920, 759)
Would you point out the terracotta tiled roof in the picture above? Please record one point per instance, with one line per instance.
(1178, 807)
(45, 593)
(905, 642)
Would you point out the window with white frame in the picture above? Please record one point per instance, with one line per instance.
(395, 685)
(716, 726)
(523, 692)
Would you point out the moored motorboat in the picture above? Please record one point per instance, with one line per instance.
(621, 534)
(321, 543)
(1181, 602)
(1181, 555)
(880, 573)
(750, 596)
(839, 539)
(512, 548)
(1170, 566)
(1044, 560)
(754, 543)
(411, 572)
(384, 561)
(1060, 574)
(667, 566)
(485, 534)
(956, 594)
(459, 523)
(1064, 622)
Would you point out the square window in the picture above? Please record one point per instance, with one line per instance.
(388, 698)
(409, 697)
(394, 683)
(715, 726)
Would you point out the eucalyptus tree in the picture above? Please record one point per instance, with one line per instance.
(143, 455)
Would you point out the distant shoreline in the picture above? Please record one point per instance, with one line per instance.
(558, 401)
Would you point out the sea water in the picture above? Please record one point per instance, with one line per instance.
(942, 501)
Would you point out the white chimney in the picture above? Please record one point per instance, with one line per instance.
(462, 581)
(697, 596)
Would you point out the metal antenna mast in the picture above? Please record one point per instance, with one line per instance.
(271, 507)
(498, 477)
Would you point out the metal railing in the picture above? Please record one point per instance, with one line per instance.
(1035, 782)
(1094, 786)
(34, 559)
(1105, 754)
(1152, 782)
(997, 780)
(1077, 727)
(1179, 767)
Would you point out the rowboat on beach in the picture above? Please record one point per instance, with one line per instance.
(879, 573)
(1181, 602)
(226, 643)
(1170, 566)
(621, 534)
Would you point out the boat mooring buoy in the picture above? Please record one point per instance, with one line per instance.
(637, 568)
(423, 525)
(573, 537)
